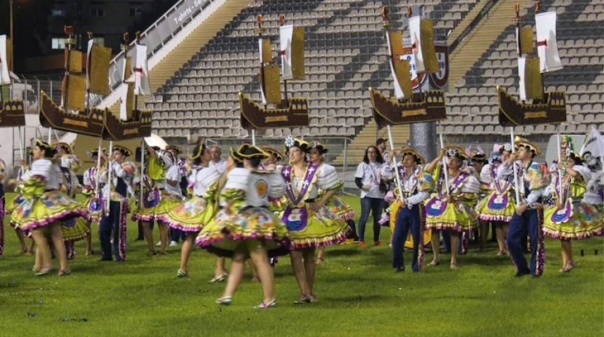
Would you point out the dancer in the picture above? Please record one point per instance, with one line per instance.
(310, 223)
(451, 210)
(334, 204)
(415, 186)
(244, 225)
(171, 195)
(191, 216)
(70, 164)
(153, 182)
(2, 204)
(43, 208)
(10, 207)
(113, 223)
(91, 190)
(575, 214)
(533, 179)
(499, 204)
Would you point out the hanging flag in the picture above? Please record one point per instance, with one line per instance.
(4, 74)
(291, 51)
(126, 97)
(547, 46)
(142, 84)
(593, 147)
(399, 68)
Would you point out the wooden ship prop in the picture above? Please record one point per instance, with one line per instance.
(275, 111)
(131, 122)
(12, 112)
(74, 113)
(544, 107)
(408, 107)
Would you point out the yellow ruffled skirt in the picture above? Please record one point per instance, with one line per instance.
(572, 222)
(41, 211)
(190, 216)
(443, 215)
(308, 229)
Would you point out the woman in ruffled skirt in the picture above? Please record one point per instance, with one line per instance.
(576, 214)
(310, 223)
(44, 207)
(191, 216)
(245, 226)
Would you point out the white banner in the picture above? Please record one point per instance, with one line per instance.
(416, 43)
(123, 91)
(593, 146)
(398, 91)
(4, 74)
(286, 33)
(260, 49)
(88, 62)
(547, 46)
(521, 86)
(142, 84)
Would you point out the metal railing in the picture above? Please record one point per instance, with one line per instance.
(158, 34)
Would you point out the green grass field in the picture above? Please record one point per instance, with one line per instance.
(359, 295)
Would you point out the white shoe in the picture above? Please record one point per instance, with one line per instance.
(158, 244)
(173, 243)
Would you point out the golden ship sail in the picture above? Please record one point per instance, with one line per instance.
(74, 113)
(131, 122)
(286, 112)
(12, 112)
(545, 107)
(406, 106)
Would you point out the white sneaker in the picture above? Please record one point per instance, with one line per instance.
(158, 244)
(173, 243)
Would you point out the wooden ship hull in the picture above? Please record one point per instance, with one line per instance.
(427, 106)
(255, 116)
(85, 123)
(117, 129)
(552, 109)
(12, 114)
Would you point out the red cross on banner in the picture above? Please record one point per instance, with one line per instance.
(139, 70)
(414, 46)
(283, 53)
(542, 43)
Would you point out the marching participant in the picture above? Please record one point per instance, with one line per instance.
(416, 186)
(575, 214)
(2, 204)
(171, 195)
(191, 216)
(91, 188)
(310, 224)
(499, 205)
(153, 181)
(451, 209)
(70, 164)
(113, 223)
(44, 207)
(334, 204)
(10, 207)
(245, 226)
(534, 178)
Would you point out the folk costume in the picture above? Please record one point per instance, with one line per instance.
(415, 187)
(309, 228)
(70, 164)
(2, 204)
(575, 214)
(192, 215)
(533, 179)
(244, 214)
(451, 210)
(113, 225)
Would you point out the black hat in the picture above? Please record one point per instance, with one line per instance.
(236, 155)
(49, 151)
(419, 159)
(125, 151)
(248, 151)
(454, 151)
(316, 145)
(479, 157)
(95, 152)
(62, 145)
(519, 141)
(505, 147)
(198, 150)
(273, 152)
(380, 141)
(295, 142)
(174, 149)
